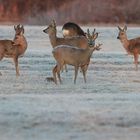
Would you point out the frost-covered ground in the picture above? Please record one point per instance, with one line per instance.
(105, 108)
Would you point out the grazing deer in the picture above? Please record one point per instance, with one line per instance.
(14, 48)
(71, 29)
(77, 57)
(131, 46)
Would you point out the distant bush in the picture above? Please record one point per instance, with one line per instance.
(81, 11)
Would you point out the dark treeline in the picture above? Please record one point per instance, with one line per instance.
(81, 11)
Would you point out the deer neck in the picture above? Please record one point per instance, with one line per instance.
(89, 52)
(53, 39)
(125, 43)
(23, 43)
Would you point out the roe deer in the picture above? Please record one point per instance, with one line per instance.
(77, 57)
(14, 48)
(78, 41)
(131, 46)
(71, 29)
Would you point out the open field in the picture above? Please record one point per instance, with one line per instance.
(105, 108)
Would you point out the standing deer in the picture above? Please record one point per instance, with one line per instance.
(14, 48)
(71, 29)
(78, 41)
(77, 57)
(131, 46)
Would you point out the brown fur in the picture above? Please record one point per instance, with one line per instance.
(71, 29)
(78, 41)
(14, 48)
(131, 46)
(77, 57)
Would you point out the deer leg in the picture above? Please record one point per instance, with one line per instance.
(16, 65)
(58, 72)
(76, 72)
(136, 56)
(66, 68)
(54, 74)
(1, 57)
(84, 69)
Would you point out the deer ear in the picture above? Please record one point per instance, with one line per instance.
(125, 28)
(18, 26)
(22, 29)
(119, 28)
(86, 35)
(15, 27)
(54, 23)
(95, 35)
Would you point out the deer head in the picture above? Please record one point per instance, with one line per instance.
(122, 32)
(19, 29)
(51, 28)
(91, 37)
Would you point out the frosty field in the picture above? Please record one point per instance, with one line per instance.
(105, 108)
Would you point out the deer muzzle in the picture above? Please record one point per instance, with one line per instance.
(118, 37)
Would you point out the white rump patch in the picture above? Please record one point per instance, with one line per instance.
(65, 32)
